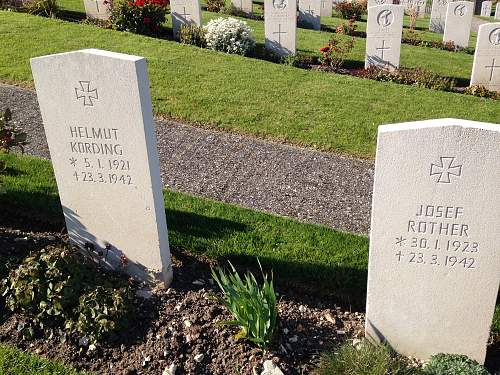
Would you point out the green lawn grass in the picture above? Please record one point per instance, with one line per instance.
(327, 111)
(15, 362)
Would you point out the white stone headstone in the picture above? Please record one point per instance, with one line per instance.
(310, 14)
(185, 12)
(486, 8)
(486, 67)
(433, 270)
(416, 5)
(438, 16)
(497, 11)
(383, 36)
(98, 9)
(373, 3)
(280, 24)
(244, 6)
(326, 8)
(96, 111)
(458, 23)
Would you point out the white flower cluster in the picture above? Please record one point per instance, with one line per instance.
(229, 35)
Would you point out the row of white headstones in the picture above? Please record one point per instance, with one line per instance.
(385, 28)
(434, 251)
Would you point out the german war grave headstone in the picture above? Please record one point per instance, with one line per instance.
(383, 36)
(97, 115)
(486, 8)
(280, 24)
(310, 14)
(98, 9)
(438, 16)
(486, 67)
(458, 23)
(244, 6)
(433, 268)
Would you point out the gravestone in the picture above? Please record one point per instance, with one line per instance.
(417, 5)
(326, 8)
(433, 269)
(486, 67)
(486, 8)
(497, 11)
(310, 14)
(280, 24)
(458, 23)
(373, 3)
(438, 16)
(383, 36)
(98, 9)
(185, 12)
(96, 110)
(243, 6)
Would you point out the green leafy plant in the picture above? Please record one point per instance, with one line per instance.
(351, 10)
(416, 77)
(253, 307)
(453, 364)
(348, 28)
(215, 5)
(363, 359)
(60, 287)
(335, 53)
(139, 16)
(46, 8)
(192, 34)
(482, 92)
(10, 136)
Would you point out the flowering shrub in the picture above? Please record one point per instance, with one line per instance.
(45, 8)
(139, 16)
(351, 10)
(348, 28)
(192, 34)
(416, 77)
(415, 39)
(335, 52)
(482, 92)
(229, 35)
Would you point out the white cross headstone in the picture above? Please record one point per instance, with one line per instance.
(433, 269)
(458, 23)
(486, 67)
(244, 6)
(373, 3)
(310, 14)
(438, 16)
(383, 36)
(326, 8)
(280, 24)
(96, 110)
(185, 12)
(486, 8)
(98, 9)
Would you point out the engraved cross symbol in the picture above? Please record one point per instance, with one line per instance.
(492, 68)
(323, 3)
(279, 32)
(184, 14)
(445, 169)
(310, 11)
(86, 93)
(383, 49)
(97, 5)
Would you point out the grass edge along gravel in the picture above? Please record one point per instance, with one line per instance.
(316, 257)
(326, 111)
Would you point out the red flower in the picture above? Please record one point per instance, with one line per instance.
(147, 20)
(324, 49)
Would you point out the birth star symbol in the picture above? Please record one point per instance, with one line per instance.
(72, 161)
(86, 93)
(400, 241)
(445, 169)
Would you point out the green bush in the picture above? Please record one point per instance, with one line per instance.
(335, 53)
(253, 308)
(215, 5)
(139, 16)
(61, 288)
(482, 92)
(46, 8)
(192, 34)
(453, 364)
(363, 359)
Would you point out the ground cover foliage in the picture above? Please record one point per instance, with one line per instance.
(326, 111)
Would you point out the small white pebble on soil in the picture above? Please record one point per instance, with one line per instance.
(199, 357)
(270, 368)
(92, 347)
(294, 338)
(83, 341)
(170, 370)
(302, 308)
(198, 282)
(187, 323)
(340, 332)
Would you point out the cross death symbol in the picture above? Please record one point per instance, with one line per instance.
(97, 5)
(184, 14)
(86, 93)
(310, 11)
(492, 68)
(383, 49)
(400, 241)
(72, 161)
(279, 32)
(446, 169)
(399, 255)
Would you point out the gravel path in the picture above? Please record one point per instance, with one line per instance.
(309, 185)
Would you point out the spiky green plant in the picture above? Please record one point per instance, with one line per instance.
(253, 307)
